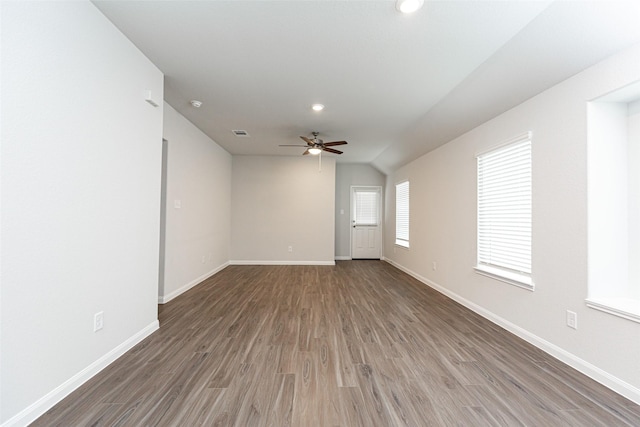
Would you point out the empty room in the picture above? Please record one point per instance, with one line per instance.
(320, 213)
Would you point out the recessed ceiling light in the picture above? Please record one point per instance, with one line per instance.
(409, 6)
(196, 104)
(317, 107)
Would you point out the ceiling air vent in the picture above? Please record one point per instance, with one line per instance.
(243, 133)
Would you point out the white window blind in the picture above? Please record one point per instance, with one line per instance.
(504, 209)
(402, 214)
(366, 207)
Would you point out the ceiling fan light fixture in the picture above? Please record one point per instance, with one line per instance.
(317, 107)
(409, 6)
(314, 151)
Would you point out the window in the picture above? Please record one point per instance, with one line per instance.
(402, 214)
(366, 207)
(504, 212)
(613, 202)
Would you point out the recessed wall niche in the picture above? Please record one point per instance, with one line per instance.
(613, 153)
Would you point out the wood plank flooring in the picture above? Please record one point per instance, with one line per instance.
(358, 344)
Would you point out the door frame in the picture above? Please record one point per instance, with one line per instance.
(351, 212)
(163, 220)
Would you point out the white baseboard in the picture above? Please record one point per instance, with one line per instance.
(163, 299)
(343, 258)
(42, 405)
(252, 262)
(616, 384)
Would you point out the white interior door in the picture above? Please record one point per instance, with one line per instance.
(366, 227)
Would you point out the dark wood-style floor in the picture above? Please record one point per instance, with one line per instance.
(358, 344)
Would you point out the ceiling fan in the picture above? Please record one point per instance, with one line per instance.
(315, 146)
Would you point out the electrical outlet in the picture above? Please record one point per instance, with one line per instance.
(434, 266)
(204, 259)
(290, 248)
(572, 319)
(98, 321)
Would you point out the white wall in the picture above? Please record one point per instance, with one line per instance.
(348, 175)
(443, 228)
(81, 157)
(197, 234)
(277, 202)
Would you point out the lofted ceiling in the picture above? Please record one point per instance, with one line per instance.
(395, 86)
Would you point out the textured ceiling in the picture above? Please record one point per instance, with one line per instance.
(394, 86)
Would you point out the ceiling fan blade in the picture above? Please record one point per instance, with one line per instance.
(291, 145)
(307, 140)
(331, 150)
(306, 152)
(330, 144)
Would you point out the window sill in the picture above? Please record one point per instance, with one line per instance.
(515, 279)
(404, 245)
(626, 308)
